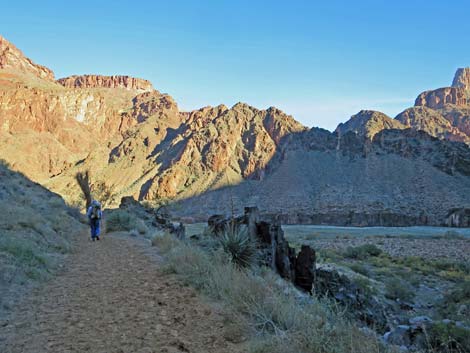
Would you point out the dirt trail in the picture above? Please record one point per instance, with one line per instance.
(112, 297)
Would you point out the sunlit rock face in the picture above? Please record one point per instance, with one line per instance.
(373, 170)
(462, 78)
(439, 98)
(99, 81)
(13, 58)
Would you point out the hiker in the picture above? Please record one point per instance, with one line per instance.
(94, 216)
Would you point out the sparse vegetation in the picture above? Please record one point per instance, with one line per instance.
(237, 244)
(362, 252)
(120, 220)
(398, 289)
(275, 319)
(102, 192)
(456, 303)
(448, 338)
(36, 228)
(360, 268)
(22, 252)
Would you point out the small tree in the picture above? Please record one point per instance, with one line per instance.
(83, 180)
(99, 190)
(102, 192)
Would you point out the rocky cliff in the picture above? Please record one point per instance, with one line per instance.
(439, 98)
(374, 170)
(98, 81)
(12, 58)
(432, 122)
(462, 78)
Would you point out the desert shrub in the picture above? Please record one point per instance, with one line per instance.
(366, 285)
(328, 255)
(363, 251)
(120, 220)
(449, 338)
(141, 227)
(275, 319)
(360, 268)
(238, 245)
(164, 241)
(460, 293)
(452, 265)
(448, 269)
(398, 289)
(456, 303)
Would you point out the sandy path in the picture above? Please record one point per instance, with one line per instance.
(112, 297)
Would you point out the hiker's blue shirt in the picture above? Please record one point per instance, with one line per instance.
(94, 222)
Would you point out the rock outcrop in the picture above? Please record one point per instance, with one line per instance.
(274, 249)
(459, 217)
(368, 123)
(432, 122)
(11, 58)
(462, 78)
(99, 81)
(439, 98)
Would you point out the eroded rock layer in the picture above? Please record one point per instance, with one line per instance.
(99, 81)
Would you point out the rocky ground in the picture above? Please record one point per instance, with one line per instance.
(112, 296)
(453, 249)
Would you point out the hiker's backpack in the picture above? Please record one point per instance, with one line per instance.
(95, 212)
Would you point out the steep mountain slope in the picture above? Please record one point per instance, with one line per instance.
(134, 140)
(36, 229)
(12, 58)
(399, 178)
(368, 123)
(45, 127)
(164, 157)
(442, 113)
(432, 122)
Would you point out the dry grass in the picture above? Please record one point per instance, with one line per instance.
(266, 305)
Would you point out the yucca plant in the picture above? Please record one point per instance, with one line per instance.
(237, 244)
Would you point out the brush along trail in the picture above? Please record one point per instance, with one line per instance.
(112, 296)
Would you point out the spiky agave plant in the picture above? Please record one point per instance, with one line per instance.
(238, 245)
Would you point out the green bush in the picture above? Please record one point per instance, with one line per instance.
(362, 252)
(398, 289)
(120, 220)
(237, 244)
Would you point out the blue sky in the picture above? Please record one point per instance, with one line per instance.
(320, 61)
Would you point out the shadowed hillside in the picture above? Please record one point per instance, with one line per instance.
(134, 141)
(37, 230)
